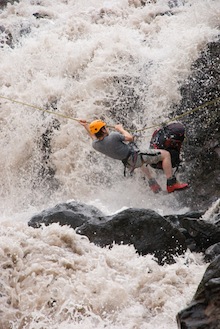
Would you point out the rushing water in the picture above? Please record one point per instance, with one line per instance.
(119, 61)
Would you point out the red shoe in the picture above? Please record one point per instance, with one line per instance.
(176, 186)
(154, 186)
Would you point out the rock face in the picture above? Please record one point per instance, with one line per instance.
(202, 145)
(204, 310)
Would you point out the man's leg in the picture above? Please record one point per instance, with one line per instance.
(166, 163)
(154, 186)
(172, 183)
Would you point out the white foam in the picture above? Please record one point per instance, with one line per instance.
(81, 58)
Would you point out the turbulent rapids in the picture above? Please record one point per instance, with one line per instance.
(122, 61)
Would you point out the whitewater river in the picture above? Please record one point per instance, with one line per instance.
(115, 60)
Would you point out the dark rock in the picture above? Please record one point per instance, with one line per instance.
(3, 3)
(201, 147)
(199, 234)
(40, 15)
(212, 252)
(5, 37)
(73, 214)
(149, 232)
(204, 310)
(44, 173)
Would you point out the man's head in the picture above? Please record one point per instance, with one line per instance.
(96, 126)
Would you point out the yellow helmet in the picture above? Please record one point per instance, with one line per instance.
(96, 125)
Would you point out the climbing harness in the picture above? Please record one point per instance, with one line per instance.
(133, 156)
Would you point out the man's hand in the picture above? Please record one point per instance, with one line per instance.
(119, 127)
(83, 122)
(128, 136)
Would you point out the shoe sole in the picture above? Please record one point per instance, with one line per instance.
(178, 189)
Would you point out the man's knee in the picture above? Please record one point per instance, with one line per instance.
(165, 154)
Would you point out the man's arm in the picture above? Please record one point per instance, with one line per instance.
(126, 134)
(85, 124)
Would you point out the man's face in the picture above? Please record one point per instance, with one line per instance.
(105, 130)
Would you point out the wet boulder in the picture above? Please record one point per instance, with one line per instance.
(212, 252)
(146, 230)
(73, 214)
(199, 234)
(149, 232)
(204, 310)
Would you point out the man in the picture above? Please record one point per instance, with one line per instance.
(114, 145)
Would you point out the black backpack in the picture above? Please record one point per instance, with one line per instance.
(169, 138)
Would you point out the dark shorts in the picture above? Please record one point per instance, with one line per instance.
(150, 157)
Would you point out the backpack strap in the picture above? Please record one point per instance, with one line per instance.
(125, 162)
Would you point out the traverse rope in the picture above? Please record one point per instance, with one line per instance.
(216, 100)
(39, 109)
